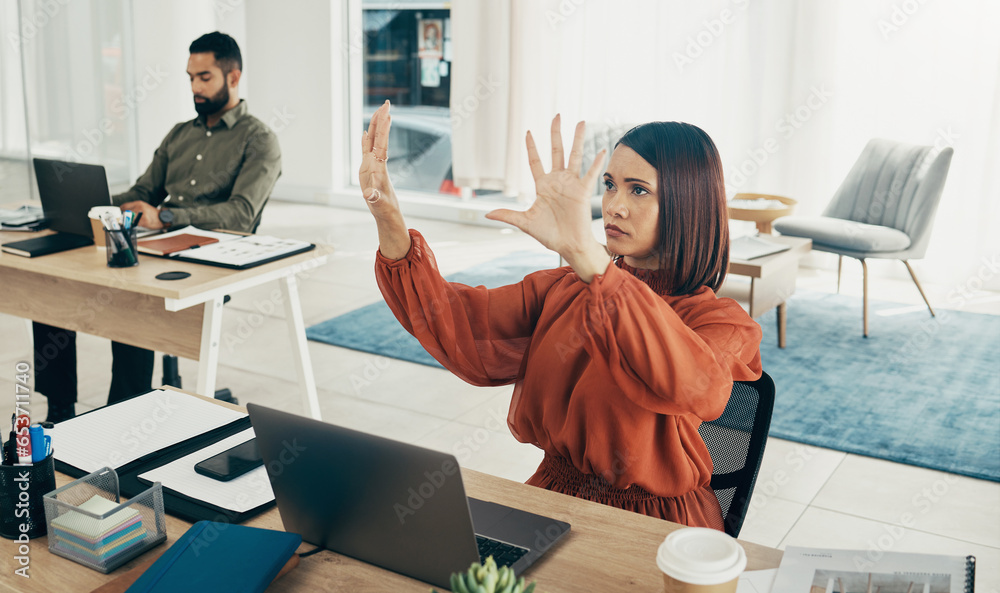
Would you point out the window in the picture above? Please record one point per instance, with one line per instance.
(407, 60)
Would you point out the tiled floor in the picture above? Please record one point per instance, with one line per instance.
(804, 495)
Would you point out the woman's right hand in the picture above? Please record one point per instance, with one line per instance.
(394, 239)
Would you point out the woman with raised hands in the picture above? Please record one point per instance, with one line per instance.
(617, 358)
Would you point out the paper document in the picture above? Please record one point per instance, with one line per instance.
(116, 435)
(240, 494)
(805, 570)
(246, 250)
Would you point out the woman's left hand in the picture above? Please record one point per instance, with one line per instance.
(560, 217)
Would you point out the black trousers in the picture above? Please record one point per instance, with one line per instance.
(55, 366)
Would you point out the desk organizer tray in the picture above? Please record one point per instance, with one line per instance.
(88, 523)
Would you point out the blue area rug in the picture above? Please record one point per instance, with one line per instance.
(922, 391)
(919, 390)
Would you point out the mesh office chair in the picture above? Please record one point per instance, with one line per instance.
(736, 442)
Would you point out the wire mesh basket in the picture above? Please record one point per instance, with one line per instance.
(88, 523)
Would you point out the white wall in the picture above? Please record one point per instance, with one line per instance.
(293, 79)
(162, 33)
(298, 91)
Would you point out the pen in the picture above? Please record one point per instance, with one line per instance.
(9, 448)
(137, 219)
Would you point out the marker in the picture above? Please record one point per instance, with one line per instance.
(38, 448)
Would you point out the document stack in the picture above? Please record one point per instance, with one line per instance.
(98, 540)
(88, 522)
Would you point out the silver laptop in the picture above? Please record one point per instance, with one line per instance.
(391, 504)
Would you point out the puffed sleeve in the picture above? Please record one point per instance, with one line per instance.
(478, 334)
(673, 356)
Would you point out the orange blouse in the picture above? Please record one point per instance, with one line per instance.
(611, 380)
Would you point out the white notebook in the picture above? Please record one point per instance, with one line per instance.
(749, 247)
(240, 494)
(116, 435)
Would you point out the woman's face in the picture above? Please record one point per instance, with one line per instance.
(632, 209)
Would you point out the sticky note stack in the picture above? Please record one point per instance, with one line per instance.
(96, 541)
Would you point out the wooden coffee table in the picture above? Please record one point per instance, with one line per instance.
(772, 280)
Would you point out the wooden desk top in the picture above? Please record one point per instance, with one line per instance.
(607, 549)
(89, 265)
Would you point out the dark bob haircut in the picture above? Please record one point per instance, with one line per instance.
(226, 51)
(693, 240)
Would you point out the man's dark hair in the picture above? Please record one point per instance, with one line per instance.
(226, 51)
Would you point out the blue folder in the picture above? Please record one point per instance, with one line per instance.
(220, 558)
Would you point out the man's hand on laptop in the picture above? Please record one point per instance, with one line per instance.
(150, 214)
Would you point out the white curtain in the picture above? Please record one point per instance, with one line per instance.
(790, 92)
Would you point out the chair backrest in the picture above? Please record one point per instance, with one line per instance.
(894, 185)
(736, 442)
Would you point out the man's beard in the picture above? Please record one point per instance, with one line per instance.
(214, 104)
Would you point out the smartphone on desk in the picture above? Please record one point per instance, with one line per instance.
(231, 463)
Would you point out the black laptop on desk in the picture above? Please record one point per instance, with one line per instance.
(391, 504)
(68, 191)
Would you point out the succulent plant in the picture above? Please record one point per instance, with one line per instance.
(487, 578)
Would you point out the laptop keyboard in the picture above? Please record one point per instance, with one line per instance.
(504, 554)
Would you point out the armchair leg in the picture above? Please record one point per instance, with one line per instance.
(840, 264)
(864, 269)
(919, 288)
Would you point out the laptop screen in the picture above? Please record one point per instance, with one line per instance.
(68, 191)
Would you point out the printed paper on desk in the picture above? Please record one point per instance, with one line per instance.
(804, 570)
(247, 250)
(240, 494)
(116, 435)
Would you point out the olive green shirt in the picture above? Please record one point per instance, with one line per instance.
(218, 178)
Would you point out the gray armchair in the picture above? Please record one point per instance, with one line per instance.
(884, 209)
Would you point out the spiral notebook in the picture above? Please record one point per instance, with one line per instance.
(805, 570)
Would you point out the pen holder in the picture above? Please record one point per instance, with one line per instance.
(88, 523)
(121, 248)
(22, 488)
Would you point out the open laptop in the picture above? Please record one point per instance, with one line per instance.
(391, 504)
(68, 191)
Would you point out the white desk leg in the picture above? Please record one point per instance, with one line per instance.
(300, 348)
(211, 334)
